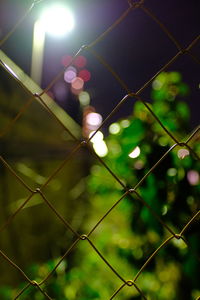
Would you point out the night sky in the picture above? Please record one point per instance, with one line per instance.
(136, 49)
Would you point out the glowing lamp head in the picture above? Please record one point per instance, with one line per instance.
(57, 20)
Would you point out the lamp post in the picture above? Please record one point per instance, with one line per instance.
(56, 20)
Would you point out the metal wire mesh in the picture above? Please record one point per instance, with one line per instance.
(85, 143)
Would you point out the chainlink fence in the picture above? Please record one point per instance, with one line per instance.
(78, 144)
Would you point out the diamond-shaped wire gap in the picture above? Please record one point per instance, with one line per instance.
(162, 26)
(141, 90)
(14, 193)
(168, 193)
(46, 234)
(131, 69)
(124, 86)
(170, 62)
(66, 191)
(86, 280)
(124, 237)
(20, 17)
(182, 88)
(35, 154)
(128, 282)
(100, 183)
(57, 77)
(10, 278)
(128, 148)
(182, 91)
(123, 15)
(148, 207)
(171, 270)
(61, 73)
(30, 87)
(176, 180)
(55, 274)
(18, 103)
(55, 268)
(74, 280)
(104, 86)
(182, 31)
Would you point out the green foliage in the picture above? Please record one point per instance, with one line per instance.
(130, 233)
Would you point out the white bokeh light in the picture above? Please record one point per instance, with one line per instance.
(57, 20)
(135, 153)
(96, 137)
(99, 144)
(94, 119)
(100, 148)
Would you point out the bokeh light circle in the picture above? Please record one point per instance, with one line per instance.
(135, 153)
(100, 148)
(66, 60)
(94, 119)
(76, 92)
(182, 153)
(77, 83)
(98, 136)
(114, 128)
(80, 61)
(85, 75)
(70, 74)
(193, 177)
(84, 98)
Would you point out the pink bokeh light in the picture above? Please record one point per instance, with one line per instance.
(85, 75)
(80, 61)
(70, 74)
(77, 83)
(66, 60)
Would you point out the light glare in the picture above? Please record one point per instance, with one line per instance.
(57, 20)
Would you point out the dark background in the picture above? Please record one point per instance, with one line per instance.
(136, 49)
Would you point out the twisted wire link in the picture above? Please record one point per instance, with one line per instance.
(131, 191)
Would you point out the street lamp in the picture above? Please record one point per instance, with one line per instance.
(56, 20)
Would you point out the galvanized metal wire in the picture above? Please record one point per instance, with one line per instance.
(85, 143)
